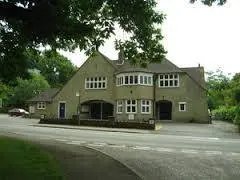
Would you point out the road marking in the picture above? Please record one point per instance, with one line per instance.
(189, 151)
(97, 144)
(214, 152)
(164, 149)
(142, 148)
(76, 142)
(62, 140)
(234, 154)
(117, 146)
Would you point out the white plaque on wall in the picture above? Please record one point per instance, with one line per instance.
(131, 116)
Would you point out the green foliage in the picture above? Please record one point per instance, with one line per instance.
(5, 92)
(68, 24)
(27, 88)
(225, 113)
(210, 2)
(237, 116)
(217, 83)
(56, 68)
(21, 160)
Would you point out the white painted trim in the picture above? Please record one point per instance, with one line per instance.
(123, 75)
(122, 105)
(145, 105)
(59, 109)
(41, 105)
(168, 79)
(185, 106)
(126, 105)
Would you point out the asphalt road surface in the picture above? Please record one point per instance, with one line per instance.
(202, 152)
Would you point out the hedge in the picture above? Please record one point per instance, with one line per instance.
(225, 113)
(99, 123)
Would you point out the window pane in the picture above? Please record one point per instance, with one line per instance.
(100, 85)
(133, 108)
(182, 107)
(87, 79)
(161, 76)
(87, 85)
(166, 76)
(135, 79)
(145, 79)
(128, 102)
(175, 76)
(175, 82)
(170, 76)
(166, 83)
(143, 109)
(149, 80)
(147, 109)
(103, 85)
(143, 102)
(126, 79)
(141, 79)
(100, 78)
(91, 85)
(161, 83)
(103, 78)
(96, 79)
(133, 102)
(91, 79)
(171, 83)
(128, 109)
(147, 102)
(131, 80)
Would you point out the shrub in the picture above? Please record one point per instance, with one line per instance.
(225, 113)
(237, 115)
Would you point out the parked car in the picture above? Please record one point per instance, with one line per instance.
(18, 112)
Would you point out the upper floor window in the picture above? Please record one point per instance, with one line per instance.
(146, 106)
(131, 106)
(96, 83)
(41, 105)
(134, 79)
(168, 80)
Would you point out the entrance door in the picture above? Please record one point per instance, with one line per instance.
(62, 110)
(101, 110)
(164, 110)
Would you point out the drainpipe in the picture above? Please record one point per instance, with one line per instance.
(154, 95)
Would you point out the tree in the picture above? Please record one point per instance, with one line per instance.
(56, 68)
(210, 2)
(27, 88)
(217, 84)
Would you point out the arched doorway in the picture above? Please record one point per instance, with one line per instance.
(98, 109)
(164, 110)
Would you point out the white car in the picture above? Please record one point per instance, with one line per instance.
(17, 112)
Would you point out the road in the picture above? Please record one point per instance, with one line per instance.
(149, 155)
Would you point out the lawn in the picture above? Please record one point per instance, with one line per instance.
(25, 161)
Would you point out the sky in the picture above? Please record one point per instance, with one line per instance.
(193, 34)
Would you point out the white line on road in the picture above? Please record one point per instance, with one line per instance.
(164, 149)
(76, 142)
(214, 152)
(191, 151)
(142, 148)
(118, 146)
(97, 144)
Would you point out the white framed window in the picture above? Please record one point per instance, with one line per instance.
(96, 83)
(41, 105)
(134, 79)
(182, 106)
(119, 106)
(146, 106)
(131, 106)
(168, 80)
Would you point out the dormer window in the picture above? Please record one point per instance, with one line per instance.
(96, 83)
(168, 80)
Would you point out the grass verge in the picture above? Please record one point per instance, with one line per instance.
(22, 160)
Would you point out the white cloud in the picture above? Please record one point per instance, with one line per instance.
(194, 34)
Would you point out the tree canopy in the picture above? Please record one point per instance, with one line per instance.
(68, 24)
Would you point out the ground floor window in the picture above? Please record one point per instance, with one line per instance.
(182, 106)
(41, 105)
(131, 106)
(119, 106)
(146, 106)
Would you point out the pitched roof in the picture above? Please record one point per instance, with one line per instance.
(197, 75)
(45, 96)
(164, 67)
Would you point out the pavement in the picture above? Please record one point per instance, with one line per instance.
(176, 151)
